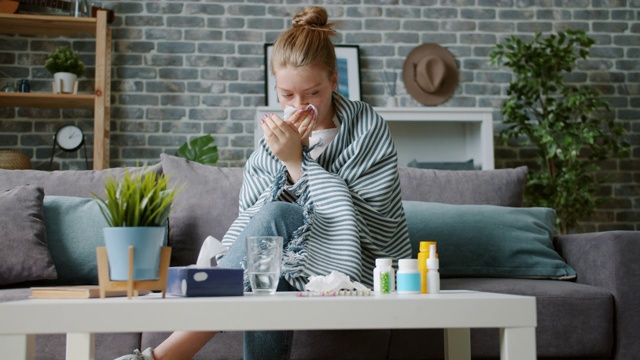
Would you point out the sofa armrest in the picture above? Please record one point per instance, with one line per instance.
(610, 260)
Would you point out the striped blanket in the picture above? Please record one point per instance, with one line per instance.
(350, 195)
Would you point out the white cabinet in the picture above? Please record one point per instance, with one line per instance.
(428, 134)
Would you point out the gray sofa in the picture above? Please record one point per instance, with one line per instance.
(594, 316)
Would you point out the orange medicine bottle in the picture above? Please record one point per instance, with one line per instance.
(423, 255)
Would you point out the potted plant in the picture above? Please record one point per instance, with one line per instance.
(136, 209)
(200, 150)
(569, 124)
(66, 67)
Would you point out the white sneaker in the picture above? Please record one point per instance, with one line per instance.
(137, 355)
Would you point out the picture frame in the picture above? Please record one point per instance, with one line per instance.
(348, 64)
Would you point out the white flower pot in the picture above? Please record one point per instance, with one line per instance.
(64, 83)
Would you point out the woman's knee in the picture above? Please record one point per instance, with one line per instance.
(279, 210)
(275, 219)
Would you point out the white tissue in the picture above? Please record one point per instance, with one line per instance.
(211, 247)
(289, 110)
(335, 281)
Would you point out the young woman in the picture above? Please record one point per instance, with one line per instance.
(325, 179)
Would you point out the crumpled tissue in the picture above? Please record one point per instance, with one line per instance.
(335, 281)
(211, 247)
(289, 110)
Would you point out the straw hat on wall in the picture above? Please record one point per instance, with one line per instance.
(430, 74)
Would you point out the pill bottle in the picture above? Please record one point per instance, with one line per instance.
(408, 276)
(384, 276)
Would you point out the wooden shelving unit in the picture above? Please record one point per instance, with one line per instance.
(99, 101)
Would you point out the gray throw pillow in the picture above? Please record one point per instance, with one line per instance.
(206, 206)
(503, 187)
(68, 182)
(23, 238)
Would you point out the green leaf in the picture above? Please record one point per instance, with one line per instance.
(143, 199)
(64, 59)
(200, 149)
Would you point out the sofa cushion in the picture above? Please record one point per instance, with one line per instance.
(307, 344)
(74, 230)
(68, 182)
(575, 321)
(108, 346)
(24, 255)
(206, 206)
(487, 240)
(581, 315)
(503, 187)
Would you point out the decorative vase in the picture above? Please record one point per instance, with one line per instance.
(64, 83)
(147, 243)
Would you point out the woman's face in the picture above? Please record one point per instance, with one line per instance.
(301, 86)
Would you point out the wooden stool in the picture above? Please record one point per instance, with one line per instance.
(131, 286)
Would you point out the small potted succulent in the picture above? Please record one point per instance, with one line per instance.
(66, 67)
(136, 209)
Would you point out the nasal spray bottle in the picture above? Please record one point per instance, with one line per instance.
(433, 276)
(423, 255)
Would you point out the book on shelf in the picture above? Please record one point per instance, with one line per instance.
(75, 292)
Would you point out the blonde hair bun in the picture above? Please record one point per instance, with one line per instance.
(307, 42)
(313, 17)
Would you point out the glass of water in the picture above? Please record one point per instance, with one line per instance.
(264, 258)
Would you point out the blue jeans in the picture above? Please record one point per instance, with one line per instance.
(274, 219)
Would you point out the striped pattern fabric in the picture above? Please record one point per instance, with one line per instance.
(350, 195)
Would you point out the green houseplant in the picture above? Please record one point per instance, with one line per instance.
(136, 208)
(66, 67)
(200, 149)
(568, 124)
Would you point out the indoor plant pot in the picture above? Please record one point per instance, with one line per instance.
(136, 209)
(66, 67)
(147, 243)
(64, 83)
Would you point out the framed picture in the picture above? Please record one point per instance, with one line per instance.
(348, 63)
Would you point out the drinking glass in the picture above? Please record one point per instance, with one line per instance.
(264, 258)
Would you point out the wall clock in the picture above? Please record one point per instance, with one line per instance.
(69, 138)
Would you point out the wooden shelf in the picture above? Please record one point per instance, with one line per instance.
(99, 101)
(46, 25)
(44, 100)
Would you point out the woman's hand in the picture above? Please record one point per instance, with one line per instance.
(304, 121)
(285, 143)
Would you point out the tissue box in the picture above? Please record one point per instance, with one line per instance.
(191, 281)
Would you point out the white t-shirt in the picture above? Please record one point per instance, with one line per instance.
(323, 138)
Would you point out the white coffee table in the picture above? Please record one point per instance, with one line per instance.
(454, 311)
